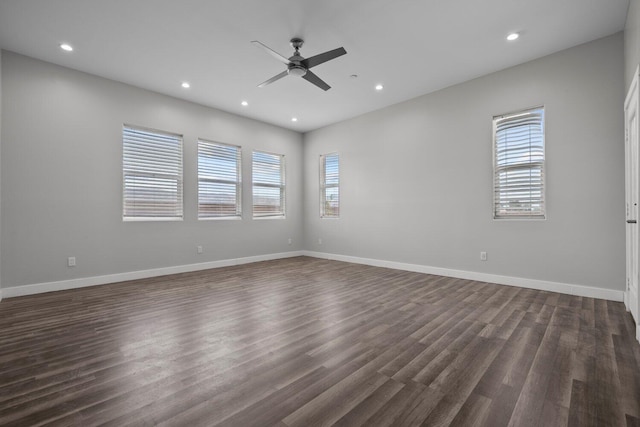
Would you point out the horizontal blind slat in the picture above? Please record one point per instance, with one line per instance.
(330, 186)
(152, 174)
(219, 180)
(268, 184)
(519, 164)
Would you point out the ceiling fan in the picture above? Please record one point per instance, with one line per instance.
(299, 66)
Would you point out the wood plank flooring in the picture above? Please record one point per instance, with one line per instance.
(306, 342)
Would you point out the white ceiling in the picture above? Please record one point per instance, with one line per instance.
(412, 47)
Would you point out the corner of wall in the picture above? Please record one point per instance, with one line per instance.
(304, 207)
(1, 173)
(631, 42)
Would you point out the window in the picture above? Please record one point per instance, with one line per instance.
(268, 185)
(519, 165)
(219, 183)
(329, 186)
(152, 174)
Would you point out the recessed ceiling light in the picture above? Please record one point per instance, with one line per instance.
(186, 85)
(379, 87)
(66, 47)
(513, 36)
(294, 119)
(244, 103)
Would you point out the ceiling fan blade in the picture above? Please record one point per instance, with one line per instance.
(312, 78)
(323, 57)
(274, 78)
(271, 52)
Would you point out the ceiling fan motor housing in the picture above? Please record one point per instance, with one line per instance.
(294, 68)
(298, 66)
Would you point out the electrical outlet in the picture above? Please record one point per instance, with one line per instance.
(71, 261)
(319, 240)
(290, 241)
(199, 249)
(483, 256)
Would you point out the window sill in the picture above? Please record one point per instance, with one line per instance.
(151, 219)
(221, 218)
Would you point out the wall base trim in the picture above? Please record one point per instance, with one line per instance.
(542, 285)
(564, 288)
(38, 288)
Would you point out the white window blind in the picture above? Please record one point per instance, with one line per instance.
(219, 182)
(152, 174)
(268, 185)
(519, 165)
(329, 186)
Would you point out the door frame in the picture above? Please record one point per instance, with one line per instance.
(632, 102)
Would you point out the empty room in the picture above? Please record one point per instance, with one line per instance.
(316, 213)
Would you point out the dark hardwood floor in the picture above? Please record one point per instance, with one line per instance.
(303, 342)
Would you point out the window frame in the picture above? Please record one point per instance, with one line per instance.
(282, 186)
(237, 182)
(523, 214)
(324, 186)
(179, 177)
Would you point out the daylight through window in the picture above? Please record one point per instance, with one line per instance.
(219, 183)
(268, 185)
(330, 186)
(151, 174)
(519, 158)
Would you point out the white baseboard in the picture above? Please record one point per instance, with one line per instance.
(38, 288)
(563, 288)
(578, 290)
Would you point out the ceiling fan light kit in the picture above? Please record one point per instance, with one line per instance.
(297, 71)
(298, 66)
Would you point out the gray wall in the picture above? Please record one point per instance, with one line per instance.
(416, 178)
(631, 41)
(61, 178)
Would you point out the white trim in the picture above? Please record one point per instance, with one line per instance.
(631, 301)
(632, 87)
(564, 288)
(543, 285)
(38, 288)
